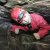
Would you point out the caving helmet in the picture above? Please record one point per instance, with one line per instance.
(20, 15)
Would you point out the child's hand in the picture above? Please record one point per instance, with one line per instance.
(36, 35)
(17, 31)
(14, 29)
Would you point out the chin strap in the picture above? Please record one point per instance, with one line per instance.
(29, 26)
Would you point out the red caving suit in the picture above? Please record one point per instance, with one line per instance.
(37, 22)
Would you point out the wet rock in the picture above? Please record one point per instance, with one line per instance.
(25, 41)
(4, 12)
(2, 2)
(10, 4)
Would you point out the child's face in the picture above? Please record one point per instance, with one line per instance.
(26, 19)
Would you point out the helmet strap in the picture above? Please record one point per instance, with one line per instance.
(29, 26)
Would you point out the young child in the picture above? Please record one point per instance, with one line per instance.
(26, 22)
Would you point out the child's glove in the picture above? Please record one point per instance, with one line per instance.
(36, 35)
(14, 29)
(17, 31)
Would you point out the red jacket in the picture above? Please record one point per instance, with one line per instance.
(37, 22)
